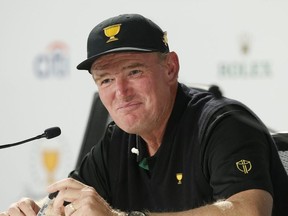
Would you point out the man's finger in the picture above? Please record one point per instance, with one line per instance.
(64, 184)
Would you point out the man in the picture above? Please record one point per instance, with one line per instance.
(171, 150)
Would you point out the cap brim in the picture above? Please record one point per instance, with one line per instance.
(86, 64)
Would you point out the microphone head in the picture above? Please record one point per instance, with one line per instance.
(52, 132)
(135, 151)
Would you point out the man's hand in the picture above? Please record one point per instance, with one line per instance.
(23, 207)
(84, 200)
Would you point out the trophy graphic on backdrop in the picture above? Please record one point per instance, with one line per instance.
(50, 161)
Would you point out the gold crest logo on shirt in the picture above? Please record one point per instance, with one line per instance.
(111, 32)
(179, 177)
(244, 166)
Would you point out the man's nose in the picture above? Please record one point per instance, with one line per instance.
(121, 88)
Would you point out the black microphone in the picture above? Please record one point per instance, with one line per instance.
(48, 133)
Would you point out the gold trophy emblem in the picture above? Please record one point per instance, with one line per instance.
(165, 38)
(179, 177)
(111, 32)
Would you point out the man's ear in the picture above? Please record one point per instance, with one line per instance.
(172, 66)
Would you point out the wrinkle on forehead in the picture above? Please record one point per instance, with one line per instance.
(111, 59)
(102, 63)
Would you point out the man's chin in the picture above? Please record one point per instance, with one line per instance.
(129, 127)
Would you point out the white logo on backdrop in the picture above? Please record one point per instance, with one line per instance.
(48, 163)
(54, 62)
(245, 66)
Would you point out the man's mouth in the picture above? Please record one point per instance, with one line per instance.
(128, 106)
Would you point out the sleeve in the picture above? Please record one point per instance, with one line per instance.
(93, 168)
(237, 156)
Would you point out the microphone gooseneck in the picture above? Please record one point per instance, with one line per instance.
(48, 133)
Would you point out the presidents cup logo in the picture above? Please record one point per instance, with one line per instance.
(111, 32)
(179, 177)
(49, 162)
(244, 166)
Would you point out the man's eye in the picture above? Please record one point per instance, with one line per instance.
(105, 81)
(135, 73)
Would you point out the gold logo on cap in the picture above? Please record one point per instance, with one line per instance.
(165, 38)
(111, 32)
(244, 166)
(179, 177)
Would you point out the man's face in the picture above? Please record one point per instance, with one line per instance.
(135, 88)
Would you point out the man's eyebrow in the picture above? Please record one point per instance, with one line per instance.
(99, 76)
(101, 69)
(105, 66)
(134, 65)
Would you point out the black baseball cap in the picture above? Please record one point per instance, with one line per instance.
(126, 32)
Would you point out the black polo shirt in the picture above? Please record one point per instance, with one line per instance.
(212, 148)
